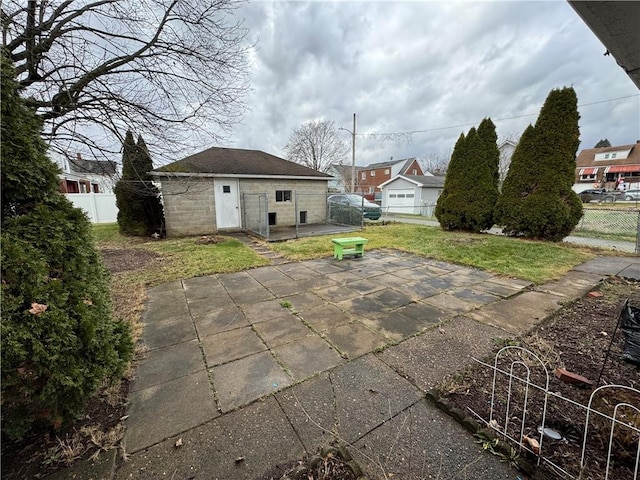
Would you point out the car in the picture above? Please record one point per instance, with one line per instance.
(369, 209)
(600, 195)
(631, 195)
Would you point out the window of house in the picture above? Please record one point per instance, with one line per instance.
(95, 188)
(587, 177)
(226, 189)
(283, 195)
(272, 218)
(613, 155)
(364, 175)
(303, 216)
(386, 172)
(83, 188)
(606, 156)
(410, 195)
(373, 173)
(415, 171)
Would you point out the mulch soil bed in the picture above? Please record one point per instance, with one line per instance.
(576, 338)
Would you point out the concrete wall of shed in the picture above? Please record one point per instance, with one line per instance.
(189, 207)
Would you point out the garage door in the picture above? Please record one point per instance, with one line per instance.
(401, 200)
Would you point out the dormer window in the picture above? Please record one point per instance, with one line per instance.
(606, 156)
(613, 155)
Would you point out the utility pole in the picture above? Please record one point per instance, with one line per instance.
(353, 153)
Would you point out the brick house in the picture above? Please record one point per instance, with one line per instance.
(604, 167)
(370, 177)
(228, 189)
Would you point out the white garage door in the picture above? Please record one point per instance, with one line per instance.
(401, 200)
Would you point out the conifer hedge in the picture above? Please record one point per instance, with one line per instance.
(140, 211)
(59, 340)
(537, 200)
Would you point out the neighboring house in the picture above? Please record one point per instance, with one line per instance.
(371, 176)
(85, 176)
(506, 150)
(230, 189)
(604, 167)
(413, 194)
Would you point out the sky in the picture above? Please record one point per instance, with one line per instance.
(432, 68)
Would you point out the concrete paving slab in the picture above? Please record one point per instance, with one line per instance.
(166, 306)
(292, 287)
(423, 442)
(354, 339)
(473, 295)
(160, 290)
(520, 313)
(394, 325)
(250, 294)
(632, 271)
(220, 320)
(265, 310)
(610, 265)
(445, 301)
(268, 275)
(426, 314)
(168, 332)
(498, 289)
(168, 363)
(279, 331)
(242, 381)
(572, 285)
(307, 356)
(203, 306)
(198, 288)
(298, 271)
(391, 299)
(364, 287)
(236, 280)
(164, 410)
(418, 290)
(360, 307)
(325, 317)
(303, 301)
(416, 274)
(310, 407)
(323, 266)
(367, 393)
(429, 357)
(440, 283)
(344, 277)
(337, 293)
(231, 345)
(259, 434)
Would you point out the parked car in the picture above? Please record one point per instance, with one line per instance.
(369, 210)
(600, 195)
(632, 195)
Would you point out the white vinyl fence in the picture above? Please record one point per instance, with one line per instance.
(100, 207)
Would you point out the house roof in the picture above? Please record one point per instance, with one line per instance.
(390, 163)
(418, 180)
(235, 161)
(97, 167)
(586, 158)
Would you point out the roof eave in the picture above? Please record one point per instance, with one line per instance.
(236, 175)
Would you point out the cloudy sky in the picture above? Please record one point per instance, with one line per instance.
(433, 68)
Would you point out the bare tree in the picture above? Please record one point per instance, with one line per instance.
(316, 145)
(92, 69)
(436, 163)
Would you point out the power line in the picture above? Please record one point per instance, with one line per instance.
(411, 132)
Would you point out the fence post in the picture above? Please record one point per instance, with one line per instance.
(296, 214)
(638, 234)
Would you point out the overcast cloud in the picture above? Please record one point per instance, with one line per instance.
(407, 66)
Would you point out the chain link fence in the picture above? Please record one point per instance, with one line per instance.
(255, 213)
(613, 228)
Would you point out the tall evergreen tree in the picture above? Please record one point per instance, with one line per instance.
(537, 200)
(59, 341)
(470, 191)
(138, 199)
(602, 143)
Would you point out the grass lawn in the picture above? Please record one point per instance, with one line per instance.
(534, 261)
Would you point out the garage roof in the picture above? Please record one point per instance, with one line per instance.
(235, 161)
(419, 180)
